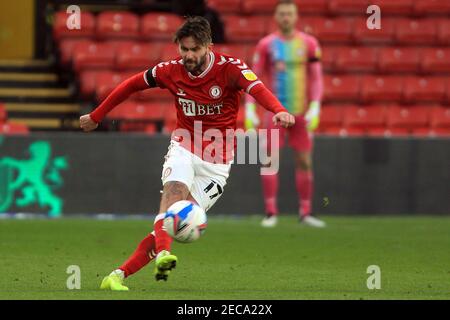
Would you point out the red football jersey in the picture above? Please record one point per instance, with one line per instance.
(211, 99)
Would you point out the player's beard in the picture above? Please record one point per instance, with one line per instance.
(195, 68)
(286, 28)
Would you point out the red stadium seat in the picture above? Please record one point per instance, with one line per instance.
(330, 30)
(377, 132)
(332, 131)
(435, 60)
(398, 59)
(3, 113)
(226, 6)
(93, 55)
(138, 111)
(432, 89)
(341, 88)
(61, 31)
(312, 6)
(150, 129)
(107, 81)
(138, 56)
(420, 31)
(243, 29)
(408, 118)
(258, 6)
(364, 117)
(363, 35)
(440, 117)
(387, 88)
(443, 132)
(401, 7)
(352, 132)
(116, 44)
(239, 51)
(432, 7)
(340, 7)
(170, 120)
(397, 132)
(330, 117)
(159, 26)
(169, 51)
(66, 49)
(356, 59)
(426, 132)
(329, 57)
(117, 24)
(13, 128)
(88, 82)
(444, 31)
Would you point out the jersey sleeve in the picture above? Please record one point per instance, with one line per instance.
(241, 76)
(159, 75)
(314, 50)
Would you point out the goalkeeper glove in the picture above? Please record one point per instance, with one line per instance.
(312, 115)
(251, 117)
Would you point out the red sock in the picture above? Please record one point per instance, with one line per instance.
(163, 240)
(304, 182)
(143, 254)
(270, 190)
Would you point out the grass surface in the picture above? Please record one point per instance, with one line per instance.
(236, 259)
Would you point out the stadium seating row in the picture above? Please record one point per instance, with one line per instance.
(386, 59)
(366, 89)
(335, 119)
(133, 55)
(385, 120)
(239, 28)
(336, 7)
(350, 88)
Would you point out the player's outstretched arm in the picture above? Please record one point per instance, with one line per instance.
(136, 83)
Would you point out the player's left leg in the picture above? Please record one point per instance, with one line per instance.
(301, 140)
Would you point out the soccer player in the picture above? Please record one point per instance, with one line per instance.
(207, 86)
(291, 61)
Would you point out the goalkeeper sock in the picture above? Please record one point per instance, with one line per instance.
(144, 253)
(270, 190)
(304, 182)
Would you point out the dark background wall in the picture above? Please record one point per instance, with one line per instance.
(111, 173)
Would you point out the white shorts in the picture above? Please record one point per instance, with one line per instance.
(205, 180)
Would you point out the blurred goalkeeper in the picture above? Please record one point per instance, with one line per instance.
(290, 60)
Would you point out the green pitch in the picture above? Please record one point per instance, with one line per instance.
(236, 259)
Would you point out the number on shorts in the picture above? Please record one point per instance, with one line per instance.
(209, 189)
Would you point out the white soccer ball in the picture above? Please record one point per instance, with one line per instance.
(185, 221)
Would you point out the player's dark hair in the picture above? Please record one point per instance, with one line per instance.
(196, 27)
(280, 2)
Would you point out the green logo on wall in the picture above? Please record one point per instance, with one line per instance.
(32, 181)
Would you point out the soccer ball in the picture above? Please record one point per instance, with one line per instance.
(185, 221)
